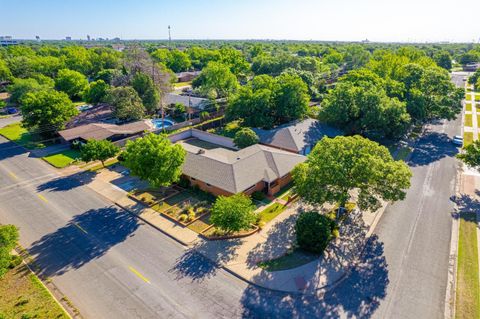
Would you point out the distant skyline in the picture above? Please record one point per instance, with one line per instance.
(332, 20)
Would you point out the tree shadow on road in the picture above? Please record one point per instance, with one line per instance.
(66, 183)
(9, 149)
(194, 265)
(86, 237)
(432, 147)
(358, 296)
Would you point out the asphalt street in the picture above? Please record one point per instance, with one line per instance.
(108, 263)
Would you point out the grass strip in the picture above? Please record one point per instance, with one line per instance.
(468, 290)
(24, 296)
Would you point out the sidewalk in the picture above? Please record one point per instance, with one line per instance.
(241, 256)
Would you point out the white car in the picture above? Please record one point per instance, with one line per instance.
(457, 140)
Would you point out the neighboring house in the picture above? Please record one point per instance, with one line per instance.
(188, 101)
(471, 67)
(101, 131)
(298, 136)
(97, 114)
(187, 76)
(220, 170)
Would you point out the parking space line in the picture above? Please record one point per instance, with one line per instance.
(139, 275)
(42, 198)
(80, 228)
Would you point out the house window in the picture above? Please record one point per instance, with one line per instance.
(250, 188)
(208, 185)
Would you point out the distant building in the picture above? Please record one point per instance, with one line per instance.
(88, 37)
(471, 67)
(68, 38)
(7, 40)
(187, 76)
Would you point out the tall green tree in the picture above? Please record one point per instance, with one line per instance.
(20, 87)
(101, 151)
(71, 82)
(97, 92)
(147, 91)
(155, 159)
(5, 73)
(337, 167)
(443, 59)
(365, 109)
(233, 213)
(127, 105)
(46, 110)
(216, 81)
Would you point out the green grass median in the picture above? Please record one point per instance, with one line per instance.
(468, 290)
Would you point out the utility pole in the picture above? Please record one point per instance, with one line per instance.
(169, 37)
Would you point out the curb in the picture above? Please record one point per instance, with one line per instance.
(154, 226)
(68, 308)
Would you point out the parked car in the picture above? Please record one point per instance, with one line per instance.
(12, 110)
(457, 140)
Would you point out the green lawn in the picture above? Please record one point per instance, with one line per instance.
(477, 97)
(468, 120)
(468, 290)
(24, 296)
(271, 212)
(15, 132)
(294, 259)
(468, 97)
(467, 138)
(62, 159)
(468, 107)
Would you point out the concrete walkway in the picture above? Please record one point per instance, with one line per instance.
(241, 256)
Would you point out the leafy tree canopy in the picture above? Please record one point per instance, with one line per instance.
(233, 213)
(337, 167)
(101, 150)
(127, 105)
(471, 156)
(71, 82)
(155, 159)
(245, 137)
(147, 91)
(97, 92)
(216, 81)
(46, 110)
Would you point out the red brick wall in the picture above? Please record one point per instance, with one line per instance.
(218, 191)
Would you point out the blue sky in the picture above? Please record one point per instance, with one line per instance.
(347, 20)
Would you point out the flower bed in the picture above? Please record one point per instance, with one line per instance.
(213, 233)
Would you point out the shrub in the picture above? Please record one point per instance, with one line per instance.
(182, 217)
(314, 231)
(233, 213)
(258, 195)
(245, 137)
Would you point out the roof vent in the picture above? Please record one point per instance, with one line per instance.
(238, 158)
(201, 151)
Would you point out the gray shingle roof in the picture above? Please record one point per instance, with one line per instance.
(236, 171)
(100, 131)
(295, 136)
